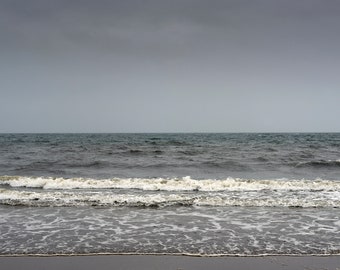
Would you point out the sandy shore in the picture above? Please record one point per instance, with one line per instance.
(151, 262)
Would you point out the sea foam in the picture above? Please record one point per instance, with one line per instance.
(160, 192)
(169, 184)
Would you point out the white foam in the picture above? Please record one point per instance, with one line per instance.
(71, 198)
(173, 184)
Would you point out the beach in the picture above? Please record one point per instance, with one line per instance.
(161, 262)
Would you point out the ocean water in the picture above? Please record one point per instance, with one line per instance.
(194, 194)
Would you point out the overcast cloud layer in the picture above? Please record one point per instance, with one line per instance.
(169, 66)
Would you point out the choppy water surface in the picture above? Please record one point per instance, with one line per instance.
(206, 194)
(201, 156)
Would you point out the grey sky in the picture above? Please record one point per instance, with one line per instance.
(169, 66)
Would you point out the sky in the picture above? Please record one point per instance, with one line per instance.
(170, 66)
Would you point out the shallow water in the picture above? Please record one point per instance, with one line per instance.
(173, 230)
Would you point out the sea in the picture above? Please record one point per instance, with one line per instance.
(199, 194)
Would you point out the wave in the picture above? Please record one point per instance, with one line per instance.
(169, 184)
(53, 198)
(319, 164)
(162, 192)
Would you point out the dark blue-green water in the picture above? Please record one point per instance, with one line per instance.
(172, 155)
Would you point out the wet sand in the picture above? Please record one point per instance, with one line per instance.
(161, 262)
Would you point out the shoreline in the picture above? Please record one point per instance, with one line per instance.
(190, 255)
(169, 262)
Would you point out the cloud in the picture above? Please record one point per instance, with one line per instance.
(211, 59)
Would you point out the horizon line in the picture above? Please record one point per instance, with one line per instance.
(178, 132)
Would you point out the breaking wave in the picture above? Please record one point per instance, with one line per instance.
(161, 192)
(169, 184)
